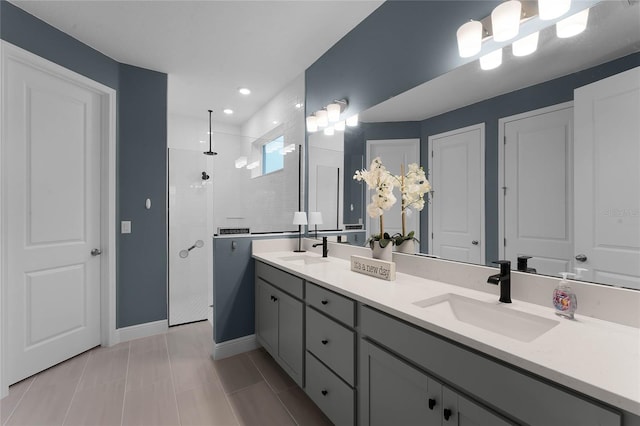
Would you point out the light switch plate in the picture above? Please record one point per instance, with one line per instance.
(125, 227)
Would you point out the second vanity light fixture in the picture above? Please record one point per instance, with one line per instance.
(329, 118)
(504, 24)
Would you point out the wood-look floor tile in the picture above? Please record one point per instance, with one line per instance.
(10, 402)
(147, 344)
(97, 406)
(46, 405)
(205, 405)
(237, 372)
(147, 368)
(258, 405)
(192, 373)
(69, 370)
(275, 376)
(304, 411)
(154, 405)
(104, 367)
(186, 345)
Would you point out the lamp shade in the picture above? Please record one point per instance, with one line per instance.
(315, 218)
(573, 25)
(526, 45)
(333, 112)
(551, 9)
(323, 118)
(491, 60)
(299, 218)
(505, 20)
(469, 39)
(312, 124)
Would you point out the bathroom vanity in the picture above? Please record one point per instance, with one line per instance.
(420, 351)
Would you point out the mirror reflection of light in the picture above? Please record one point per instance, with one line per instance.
(573, 25)
(491, 60)
(527, 45)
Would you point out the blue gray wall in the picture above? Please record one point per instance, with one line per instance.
(141, 165)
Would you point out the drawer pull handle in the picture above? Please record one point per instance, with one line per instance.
(324, 342)
(447, 414)
(324, 392)
(324, 302)
(432, 403)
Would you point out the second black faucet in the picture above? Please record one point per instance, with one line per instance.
(503, 279)
(325, 248)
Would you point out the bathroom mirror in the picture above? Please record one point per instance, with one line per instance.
(613, 33)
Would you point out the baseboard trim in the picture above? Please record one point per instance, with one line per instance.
(234, 347)
(141, 330)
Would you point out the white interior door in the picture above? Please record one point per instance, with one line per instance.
(607, 179)
(53, 138)
(456, 211)
(538, 187)
(190, 220)
(393, 153)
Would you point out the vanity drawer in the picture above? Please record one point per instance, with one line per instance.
(339, 307)
(334, 397)
(284, 281)
(332, 343)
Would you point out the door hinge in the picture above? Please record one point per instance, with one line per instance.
(432, 235)
(504, 190)
(505, 242)
(504, 140)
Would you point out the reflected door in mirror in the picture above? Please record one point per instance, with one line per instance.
(607, 179)
(456, 209)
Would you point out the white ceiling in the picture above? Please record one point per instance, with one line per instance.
(613, 32)
(210, 48)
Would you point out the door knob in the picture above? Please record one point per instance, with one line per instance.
(447, 414)
(581, 258)
(96, 252)
(432, 403)
(474, 242)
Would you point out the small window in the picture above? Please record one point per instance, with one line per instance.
(273, 156)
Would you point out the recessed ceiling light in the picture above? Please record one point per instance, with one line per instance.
(275, 121)
(244, 91)
(228, 111)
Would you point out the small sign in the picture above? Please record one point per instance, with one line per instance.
(374, 267)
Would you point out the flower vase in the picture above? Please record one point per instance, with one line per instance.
(407, 247)
(380, 252)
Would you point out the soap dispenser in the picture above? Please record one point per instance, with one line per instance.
(564, 299)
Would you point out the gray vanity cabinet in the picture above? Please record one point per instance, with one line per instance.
(394, 392)
(280, 319)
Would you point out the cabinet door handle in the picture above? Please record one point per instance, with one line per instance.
(432, 403)
(324, 302)
(324, 341)
(324, 392)
(274, 299)
(447, 414)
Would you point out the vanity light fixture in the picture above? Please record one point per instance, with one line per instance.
(491, 60)
(289, 148)
(552, 9)
(329, 131)
(526, 45)
(312, 124)
(505, 20)
(323, 118)
(241, 162)
(352, 121)
(339, 126)
(299, 218)
(227, 111)
(244, 91)
(253, 165)
(326, 116)
(573, 25)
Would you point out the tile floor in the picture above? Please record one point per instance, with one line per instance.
(168, 379)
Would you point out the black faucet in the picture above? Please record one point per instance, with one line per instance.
(325, 247)
(522, 265)
(504, 279)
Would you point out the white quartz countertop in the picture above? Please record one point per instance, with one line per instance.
(598, 358)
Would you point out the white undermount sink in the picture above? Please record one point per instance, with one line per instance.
(303, 259)
(496, 318)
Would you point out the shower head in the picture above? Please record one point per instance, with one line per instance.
(210, 152)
